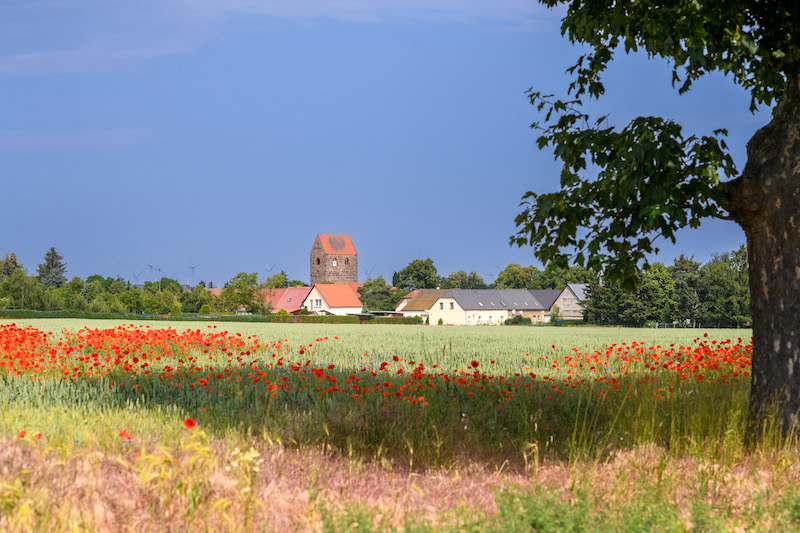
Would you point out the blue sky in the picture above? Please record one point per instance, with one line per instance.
(227, 134)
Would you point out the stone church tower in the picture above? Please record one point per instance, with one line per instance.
(334, 259)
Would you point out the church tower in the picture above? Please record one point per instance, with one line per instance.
(334, 259)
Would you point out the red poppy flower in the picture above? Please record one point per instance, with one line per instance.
(474, 364)
(39, 436)
(22, 434)
(189, 423)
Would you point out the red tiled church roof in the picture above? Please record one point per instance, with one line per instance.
(337, 244)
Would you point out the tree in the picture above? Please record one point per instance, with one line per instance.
(462, 280)
(421, 274)
(687, 300)
(722, 287)
(654, 300)
(278, 281)
(10, 265)
(652, 180)
(515, 276)
(374, 292)
(241, 291)
(22, 291)
(51, 272)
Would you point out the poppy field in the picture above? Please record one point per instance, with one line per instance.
(211, 415)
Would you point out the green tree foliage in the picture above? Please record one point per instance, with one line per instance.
(171, 285)
(462, 280)
(132, 300)
(117, 287)
(652, 302)
(52, 300)
(652, 178)
(241, 291)
(518, 320)
(105, 283)
(51, 272)
(374, 292)
(10, 265)
(687, 300)
(624, 187)
(92, 290)
(419, 274)
(724, 291)
(205, 309)
(515, 276)
(278, 281)
(22, 291)
(192, 301)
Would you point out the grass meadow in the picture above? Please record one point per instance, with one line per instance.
(119, 426)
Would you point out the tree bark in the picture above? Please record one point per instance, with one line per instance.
(765, 202)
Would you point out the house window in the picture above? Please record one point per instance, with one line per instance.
(441, 305)
(318, 303)
(451, 305)
(334, 263)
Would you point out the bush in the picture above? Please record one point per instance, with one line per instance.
(396, 320)
(176, 309)
(205, 309)
(518, 320)
(441, 322)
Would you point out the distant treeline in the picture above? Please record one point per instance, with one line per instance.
(687, 293)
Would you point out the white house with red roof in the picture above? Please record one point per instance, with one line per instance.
(334, 299)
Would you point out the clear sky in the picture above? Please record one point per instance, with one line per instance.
(228, 133)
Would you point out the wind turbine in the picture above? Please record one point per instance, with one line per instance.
(192, 267)
(136, 276)
(159, 275)
(368, 271)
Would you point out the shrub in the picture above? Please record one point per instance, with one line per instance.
(205, 309)
(518, 320)
(441, 322)
(176, 309)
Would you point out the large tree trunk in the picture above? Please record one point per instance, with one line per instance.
(765, 201)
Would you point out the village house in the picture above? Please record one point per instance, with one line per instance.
(419, 302)
(570, 301)
(334, 299)
(485, 306)
(291, 299)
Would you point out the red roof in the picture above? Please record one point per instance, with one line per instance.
(292, 299)
(337, 244)
(340, 294)
(272, 297)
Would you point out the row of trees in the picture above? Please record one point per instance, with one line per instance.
(716, 294)
(713, 294)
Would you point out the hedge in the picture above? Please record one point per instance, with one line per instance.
(283, 319)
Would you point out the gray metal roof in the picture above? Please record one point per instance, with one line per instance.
(579, 289)
(546, 297)
(476, 299)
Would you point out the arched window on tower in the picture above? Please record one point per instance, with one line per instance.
(317, 260)
(334, 262)
(347, 261)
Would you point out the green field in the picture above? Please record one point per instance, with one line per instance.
(320, 414)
